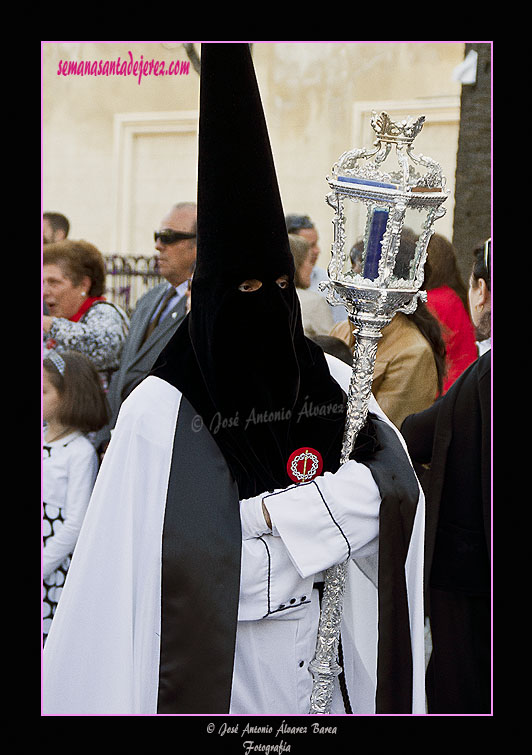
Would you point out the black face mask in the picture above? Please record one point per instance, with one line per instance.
(250, 357)
(250, 368)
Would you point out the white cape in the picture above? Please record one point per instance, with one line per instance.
(102, 653)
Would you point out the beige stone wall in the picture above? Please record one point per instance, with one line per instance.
(116, 153)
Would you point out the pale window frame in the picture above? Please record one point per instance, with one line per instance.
(126, 127)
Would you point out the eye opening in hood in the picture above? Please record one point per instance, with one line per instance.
(253, 284)
(250, 285)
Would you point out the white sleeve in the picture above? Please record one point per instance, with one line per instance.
(82, 471)
(314, 526)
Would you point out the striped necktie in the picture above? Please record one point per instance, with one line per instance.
(153, 324)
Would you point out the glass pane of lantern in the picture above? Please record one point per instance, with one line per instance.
(354, 226)
(410, 246)
(405, 258)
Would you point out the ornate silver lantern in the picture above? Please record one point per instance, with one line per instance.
(382, 205)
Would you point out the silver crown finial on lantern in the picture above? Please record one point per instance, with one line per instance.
(389, 220)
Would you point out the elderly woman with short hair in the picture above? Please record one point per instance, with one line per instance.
(79, 316)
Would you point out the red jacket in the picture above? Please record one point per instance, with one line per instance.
(457, 331)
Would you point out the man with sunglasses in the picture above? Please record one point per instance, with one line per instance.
(160, 311)
(175, 243)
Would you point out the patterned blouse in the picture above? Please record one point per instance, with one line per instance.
(100, 334)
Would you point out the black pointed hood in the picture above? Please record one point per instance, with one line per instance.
(240, 357)
(241, 229)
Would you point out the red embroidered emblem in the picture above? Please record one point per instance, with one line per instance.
(304, 464)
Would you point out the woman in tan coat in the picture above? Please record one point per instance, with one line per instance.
(410, 362)
(406, 368)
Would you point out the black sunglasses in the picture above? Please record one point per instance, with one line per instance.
(170, 237)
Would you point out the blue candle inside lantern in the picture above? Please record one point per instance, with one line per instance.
(374, 245)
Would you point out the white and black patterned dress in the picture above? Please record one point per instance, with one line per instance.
(70, 465)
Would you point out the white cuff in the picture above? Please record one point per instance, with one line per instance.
(252, 518)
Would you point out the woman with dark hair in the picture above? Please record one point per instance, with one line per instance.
(454, 438)
(79, 316)
(447, 300)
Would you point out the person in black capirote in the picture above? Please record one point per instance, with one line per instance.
(200, 544)
(454, 437)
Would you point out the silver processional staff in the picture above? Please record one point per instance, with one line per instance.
(380, 204)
